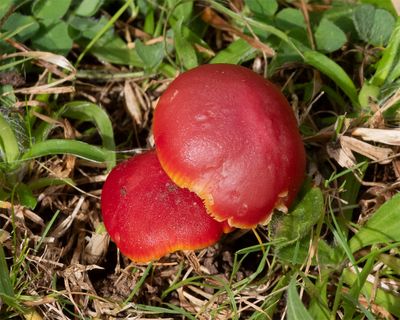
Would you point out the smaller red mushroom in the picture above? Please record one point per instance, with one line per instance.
(148, 216)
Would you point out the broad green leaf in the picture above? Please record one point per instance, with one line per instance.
(25, 196)
(77, 148)
(54, 38)
(295, 307)
(262, 8)
(382, 228)
(237, 52)
(116, 51)
(373, 25)
(181, 9)
(50, 9)
(382, 28)
(289, 18)
(27, 24)
(298, 223)
(88, 28)
(184, 50)
(383, 4)
(328, 36)
(5, 6)
(335, 72)
(88, 8)
(291, 21)
(9, 149)
(151, 55)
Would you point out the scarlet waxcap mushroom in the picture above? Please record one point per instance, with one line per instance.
(148, 216)
(231, 137)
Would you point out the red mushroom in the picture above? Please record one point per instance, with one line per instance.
(148, 216)
(231, 137)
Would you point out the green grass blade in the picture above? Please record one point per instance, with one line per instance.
(160, 310)
(385, 64)
(77, 148)
(8, 141)
(349, 307)
(296, 308)
(49, 181)
(383, 227)
(46, 230)
(139, 284)
(335, 72)
(382, 297)
(87, 111)
(6, 287)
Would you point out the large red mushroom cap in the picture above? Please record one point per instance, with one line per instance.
(148, 216)
(230, 136)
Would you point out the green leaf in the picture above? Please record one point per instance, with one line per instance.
(355, 289)
(49, 181)
(25, 196)
(6, 286)
(86, 111)
(383, 227)
(374, 26)
(108, 26)
(181, 9)
(258, 25)
(184, 50)
(296, 224)
(298, 252)
(116, 51)
(383, 4)
(291, 21)
(383, 298)
(28, 25)
(237, 52)
(50, 9)
(9, 149)
(77, 148)
(295, 307)
(53, 38)
(290, 18)
(151, 55)
(5, 6)
(335, 72)
(88, 8)
(328, 36)
(368, 93)
(262, 8)
(388, 67)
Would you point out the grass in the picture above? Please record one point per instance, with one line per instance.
(78, 85)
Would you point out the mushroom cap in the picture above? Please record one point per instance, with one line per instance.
(148, 216)
(230, 136)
